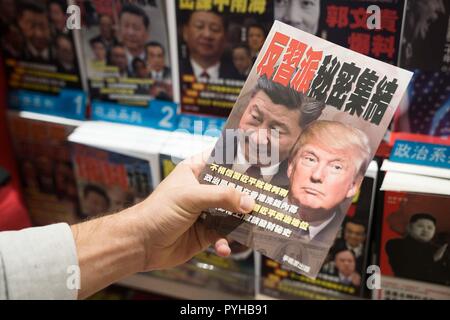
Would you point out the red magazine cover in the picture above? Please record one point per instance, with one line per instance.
(43, 156)
(414, 244)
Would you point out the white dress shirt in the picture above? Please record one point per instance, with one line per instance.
(241, 165)
(130, 58)
(44, 54)
(212, 71)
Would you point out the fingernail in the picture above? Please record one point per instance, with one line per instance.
(224, 247)
(247, 203)
(224, 250)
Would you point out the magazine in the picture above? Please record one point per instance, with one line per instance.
(45, 167)
(126, 45)
(218, 41)
(299, 140)
(414, 255)
(370, 27)
(108, 181)
(42, 65)
(425, 45)
(425, 37)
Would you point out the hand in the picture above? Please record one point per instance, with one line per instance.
(440, 252)
(169, 230)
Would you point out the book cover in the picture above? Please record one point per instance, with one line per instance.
(217, 45)
(108, 181)
(425, 38)
(47, 175)
(43, 71)
(425, 49)
(301, 135)
(127, 54)
(133, 141)
(414, 255)
(372, 28)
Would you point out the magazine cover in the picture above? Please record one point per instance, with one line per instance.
(42, 67)
(425, 49)
(301, 135)
(426, 36)
(343, 274)
(414, 257)
(126, 45)
(218, 41)
(45, 167)
(107, 181)
(349, 23)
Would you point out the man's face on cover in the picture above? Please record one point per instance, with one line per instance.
(119, 58)
(260, 117)
(140, 69)
(256, 38)
(345, 263)
(155, 58)
(354, 234)
(64, 51)
(95, 204)
(321, 177)
(133, 32)
(99, 51)
(204, 35)
(57, 16)
(36, 29)
(301, 14)
(422, 230)
(106, 27)
(241, 60)
(118, 198)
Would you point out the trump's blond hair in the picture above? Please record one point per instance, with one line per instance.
(338, 136)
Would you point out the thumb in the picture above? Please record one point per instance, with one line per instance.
(210, 196)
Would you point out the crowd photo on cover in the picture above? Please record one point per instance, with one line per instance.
(213, 46)
(36, 31)
(121, 41)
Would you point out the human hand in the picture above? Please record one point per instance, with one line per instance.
(169, 229)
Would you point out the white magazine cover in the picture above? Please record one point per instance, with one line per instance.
(299, 139)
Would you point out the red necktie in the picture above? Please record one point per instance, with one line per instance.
(204, 75)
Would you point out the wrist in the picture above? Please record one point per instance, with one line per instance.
(108, 249)
(143, 232)
(133, 238)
